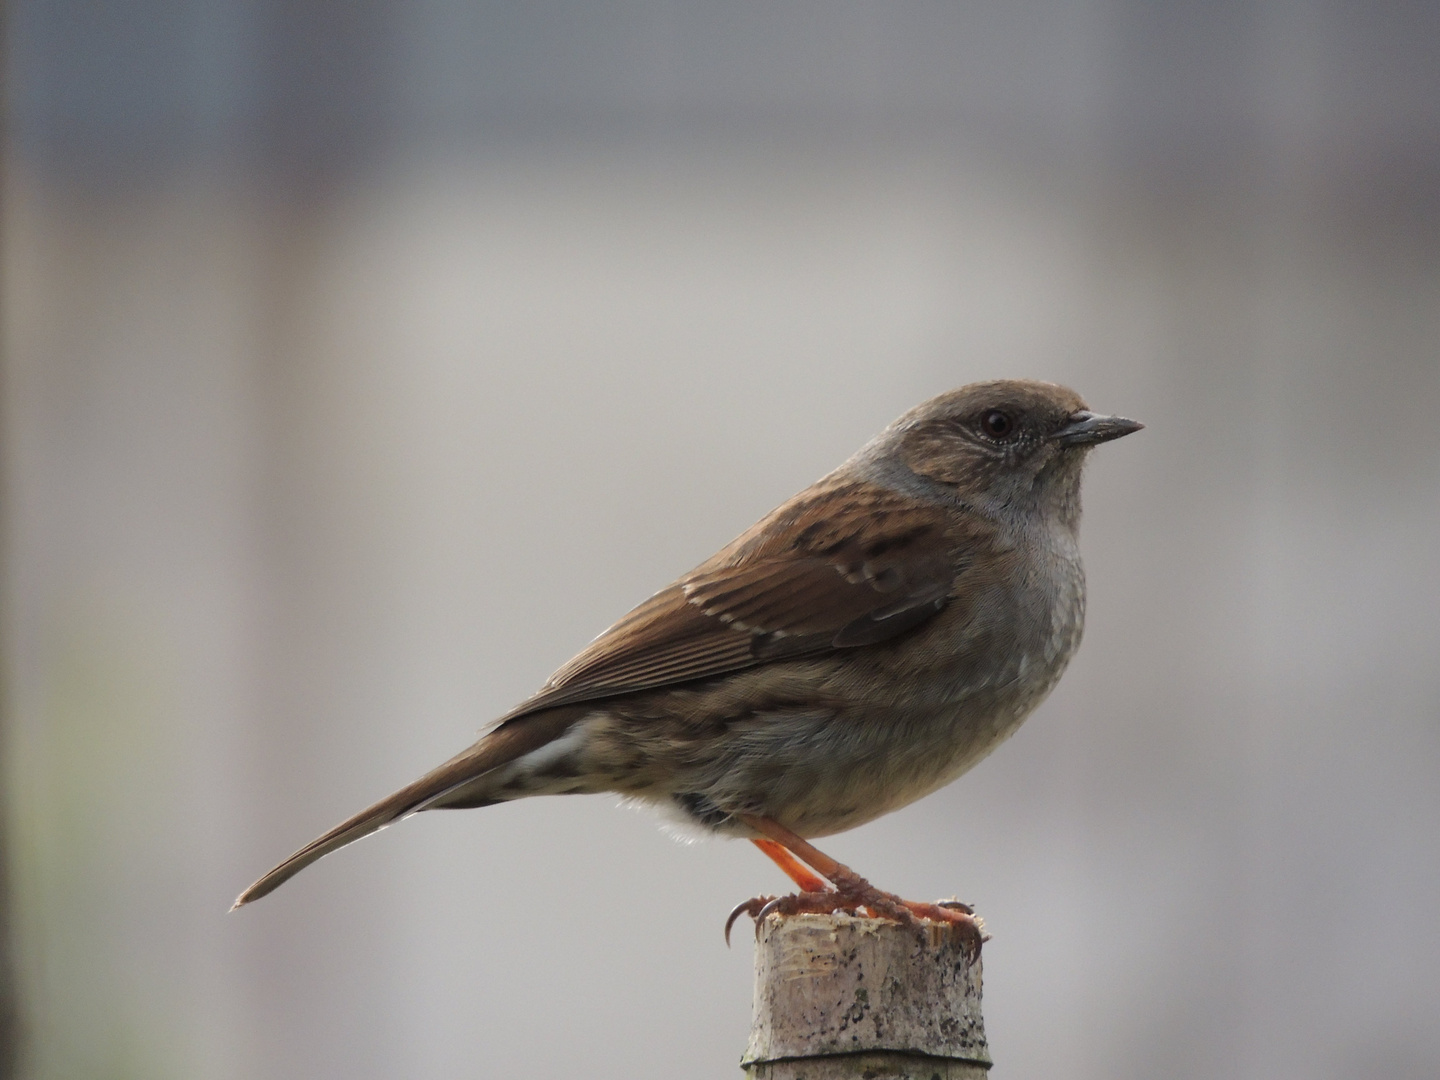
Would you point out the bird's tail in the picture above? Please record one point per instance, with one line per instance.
(511, 740)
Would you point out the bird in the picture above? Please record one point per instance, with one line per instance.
(862, 645)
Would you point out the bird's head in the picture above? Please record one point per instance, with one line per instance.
(1008, 446)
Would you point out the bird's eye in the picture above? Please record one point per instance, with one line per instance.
(997, 424)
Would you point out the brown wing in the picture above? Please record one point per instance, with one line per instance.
(832, 569)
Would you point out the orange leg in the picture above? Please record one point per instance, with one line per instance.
(850, 892)
(794, 842)
(794, 869)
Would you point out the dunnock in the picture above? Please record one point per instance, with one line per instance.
(859, 647)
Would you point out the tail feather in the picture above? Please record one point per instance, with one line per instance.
(511, 740)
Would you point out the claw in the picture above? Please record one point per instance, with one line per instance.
(746, 907)
(766, 911)
(961, 920)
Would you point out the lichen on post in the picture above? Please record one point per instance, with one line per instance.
(839, 998)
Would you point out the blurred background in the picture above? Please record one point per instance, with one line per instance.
(362, 361)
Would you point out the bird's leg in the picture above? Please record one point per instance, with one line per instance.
(794, 869)
(851, 892)
(810, 884)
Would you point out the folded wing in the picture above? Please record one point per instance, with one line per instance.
(829, 570)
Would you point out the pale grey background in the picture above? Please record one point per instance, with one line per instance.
(364, 360)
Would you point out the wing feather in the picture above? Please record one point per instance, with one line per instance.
(834, 568)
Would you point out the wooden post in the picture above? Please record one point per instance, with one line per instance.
(841, 998)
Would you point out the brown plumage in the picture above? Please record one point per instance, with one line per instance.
(861, 645)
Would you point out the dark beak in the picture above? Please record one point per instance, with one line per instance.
(1085, 429)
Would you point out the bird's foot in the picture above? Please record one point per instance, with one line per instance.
(751, 907)
(820, 902)
(853, 895)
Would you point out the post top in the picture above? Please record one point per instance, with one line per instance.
(839, 984)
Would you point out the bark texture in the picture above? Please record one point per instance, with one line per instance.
(839, 997)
